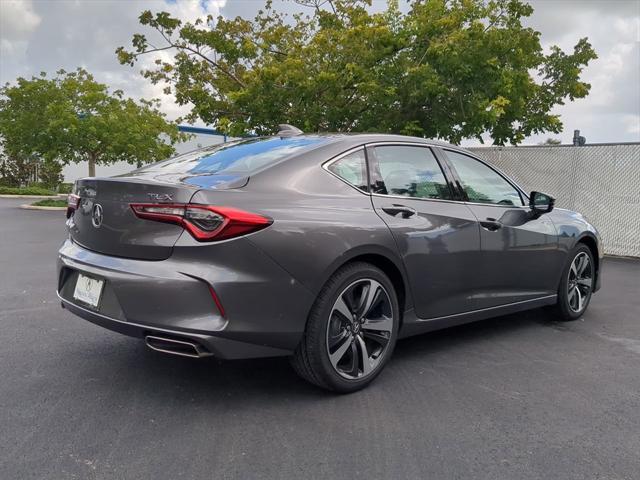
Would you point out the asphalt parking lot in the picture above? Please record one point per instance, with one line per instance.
(514, 397)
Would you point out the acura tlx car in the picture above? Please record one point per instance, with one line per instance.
(324, 248)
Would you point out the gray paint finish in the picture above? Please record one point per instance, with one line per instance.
(437, 246)
(449, 267)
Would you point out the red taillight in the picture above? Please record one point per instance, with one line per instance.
(73, 201)
(205, 222)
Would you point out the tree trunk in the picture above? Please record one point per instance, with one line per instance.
(92, 164)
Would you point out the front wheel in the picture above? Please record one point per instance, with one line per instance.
(351, 330)
(576, 285)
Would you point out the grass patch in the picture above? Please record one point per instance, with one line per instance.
(50, 202)
(25, 191)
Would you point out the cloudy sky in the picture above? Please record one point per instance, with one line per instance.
(46, 35)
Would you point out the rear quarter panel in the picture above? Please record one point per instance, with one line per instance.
(319, 221)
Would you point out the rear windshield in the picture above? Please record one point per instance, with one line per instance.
(242, 156)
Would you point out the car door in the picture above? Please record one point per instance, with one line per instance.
(437, 237)
(520, 255)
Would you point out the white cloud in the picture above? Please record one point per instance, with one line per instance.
(68, 34)
(17, 19)
(46, 35)
(633, 124)
(187, 11)
(191, 10)
(609, 76)
(613, 29)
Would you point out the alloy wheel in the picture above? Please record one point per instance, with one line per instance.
(360, 327)
(579, 282)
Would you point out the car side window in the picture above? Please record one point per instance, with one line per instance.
(411, 172)
(481, 183)
(352, 168)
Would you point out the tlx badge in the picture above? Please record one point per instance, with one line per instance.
(160, 197)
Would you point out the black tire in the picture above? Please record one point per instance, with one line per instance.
(326, 323)
(565, 309)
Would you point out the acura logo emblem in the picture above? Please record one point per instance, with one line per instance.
(96, 215)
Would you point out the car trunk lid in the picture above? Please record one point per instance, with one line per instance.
(104, 221)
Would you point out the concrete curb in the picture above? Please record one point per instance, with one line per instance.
(35, 207)
(29, 196)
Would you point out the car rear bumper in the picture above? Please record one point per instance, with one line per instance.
(219, 347)
(265, 309)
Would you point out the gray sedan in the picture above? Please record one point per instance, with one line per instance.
(324, 248)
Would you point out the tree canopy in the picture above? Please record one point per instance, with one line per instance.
(72, 117)
(450, 69)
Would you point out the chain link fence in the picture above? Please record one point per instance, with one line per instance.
(600, 181)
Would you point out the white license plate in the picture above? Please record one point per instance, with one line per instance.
(88, 290)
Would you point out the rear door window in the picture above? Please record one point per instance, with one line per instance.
(410, 171)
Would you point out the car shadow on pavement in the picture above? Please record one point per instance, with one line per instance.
(134, 368)
(462, 336)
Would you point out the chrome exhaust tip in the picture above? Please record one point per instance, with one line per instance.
(184, 348)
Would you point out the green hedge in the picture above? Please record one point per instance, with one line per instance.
(25, 191)
(50, 202)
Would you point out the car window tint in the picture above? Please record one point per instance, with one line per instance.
(481, 183)
(411, 172)
(352, 168)
(242, 156)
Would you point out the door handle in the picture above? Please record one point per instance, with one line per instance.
(491, 224)
(403, 210)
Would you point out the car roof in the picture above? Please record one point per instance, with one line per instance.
(377, 137)
(335, 144)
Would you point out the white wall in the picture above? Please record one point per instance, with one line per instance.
(78, 170)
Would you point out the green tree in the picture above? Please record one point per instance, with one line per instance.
(451, 69)
(71, 118)
(50, 174)
(16, 170)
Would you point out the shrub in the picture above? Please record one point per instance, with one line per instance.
(50, 202)
(25, 191)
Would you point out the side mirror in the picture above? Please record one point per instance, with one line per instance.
(541, 203)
